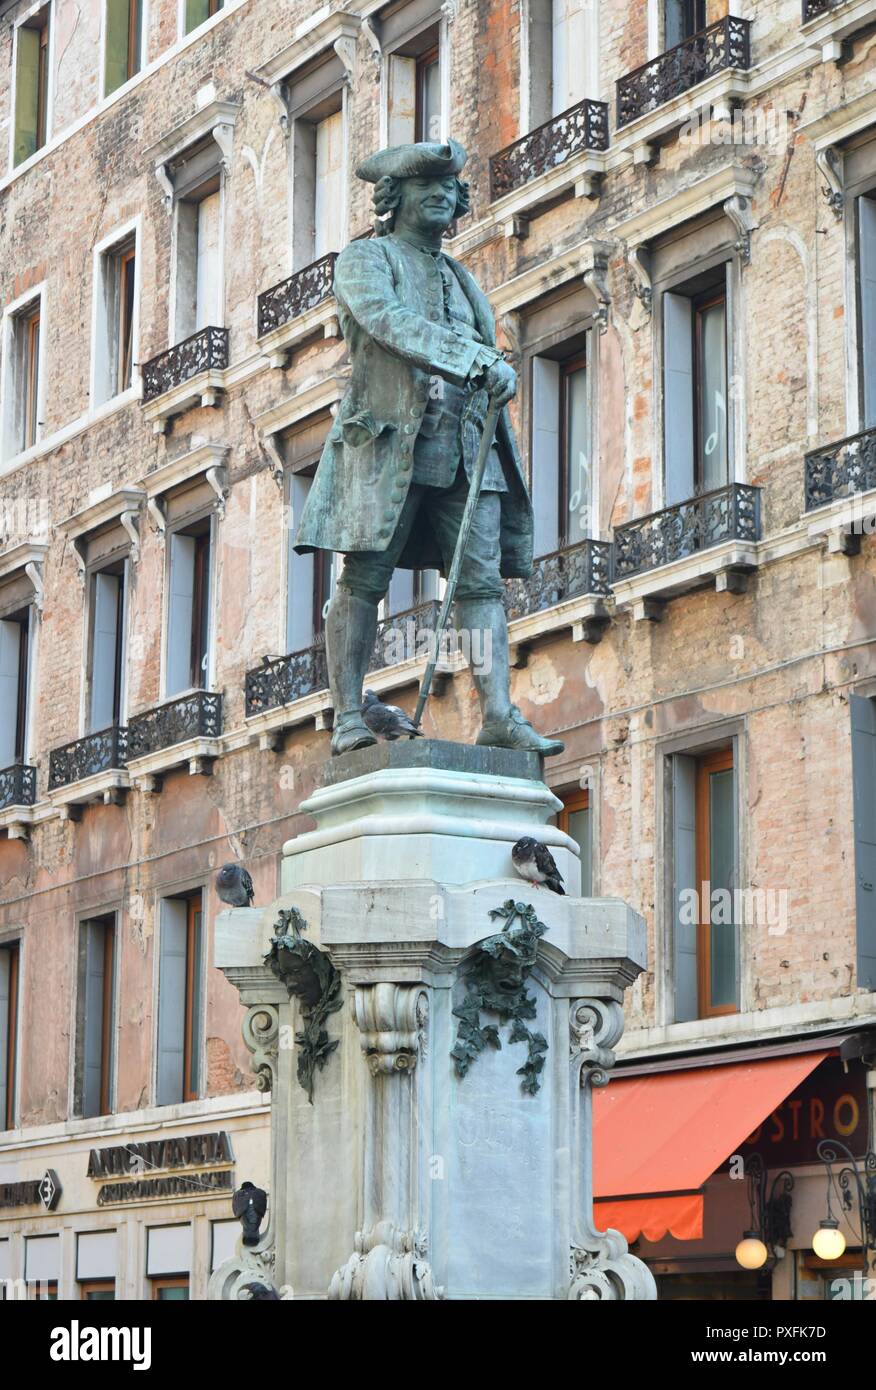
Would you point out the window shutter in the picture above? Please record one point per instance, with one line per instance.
(208, 310)
(197, 11)
(104, 637)
(300, 573)
(678, 399)
(329, 194)
(863, 712)
(198, 949)
(401, 99)
(26, 93)
(171, 1001)
(10, 648)
(867, 227)
(684, 873)
(180, 614)
(546, 461)
(5, 1023)
(93, 1020)
(401, 591)
(116, 64)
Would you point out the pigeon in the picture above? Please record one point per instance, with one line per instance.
(234, 886)
(259, 1293)
(387, 721)
(249, 1204)
(534, 861)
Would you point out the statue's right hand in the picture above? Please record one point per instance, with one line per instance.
(501, 383)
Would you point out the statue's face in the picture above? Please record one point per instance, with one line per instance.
(427, 204)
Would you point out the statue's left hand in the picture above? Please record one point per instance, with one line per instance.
(501, 382)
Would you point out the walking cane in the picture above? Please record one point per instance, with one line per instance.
(474, 492)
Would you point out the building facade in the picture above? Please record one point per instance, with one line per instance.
(673, 209)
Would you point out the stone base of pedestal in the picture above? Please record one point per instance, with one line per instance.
(431, 1040)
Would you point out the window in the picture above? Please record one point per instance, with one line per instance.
(42, 1266)
(199, 296)
(98, 1291)
(179, 999)
(318, 185)
(175, 1289)
(9, 986)
(867, 305)
(863, 717)
(115, 289)
(427, 119)
(199, 11)
(561, 446)
(413, 80)
(684, 18)
(561, 57)
(106, 647)
(96, 1016)
(310, 579)
(696, 440)
(15, 655)
(22, 393)
(124, 42)
(96, 1265)
(705, 877)
(188, 611)
(575, 819)
(31, 86)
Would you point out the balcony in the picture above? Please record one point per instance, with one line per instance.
(89, 769)
(299, 308)
(286, 691)
(189, 374)
(711, 537)
(582, 127)
(567, 588)
(17, 797)
(184, 730)
(814, 9)
(706, 57)
(840, 486)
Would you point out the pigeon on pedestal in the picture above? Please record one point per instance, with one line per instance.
(534, 861)
(234, 886)
(387, 721)
(249, 1204)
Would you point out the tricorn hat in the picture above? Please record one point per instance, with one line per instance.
(414, 161)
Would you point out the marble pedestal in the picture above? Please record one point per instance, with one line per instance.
(402, 1178)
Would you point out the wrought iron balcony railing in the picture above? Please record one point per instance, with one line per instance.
(302, 291)
(841, 470)
(728, 513)
(814, 9)
(571, 571)
(726, 44)
(284, 679)
(198, 715)
(582, 127)
(17, 786)
(202, 352)
(88, 756)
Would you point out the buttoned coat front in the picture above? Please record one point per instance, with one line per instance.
(391, 312)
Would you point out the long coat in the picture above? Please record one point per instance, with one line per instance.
(391, 312)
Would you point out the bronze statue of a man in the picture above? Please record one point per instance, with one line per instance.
(394, 476)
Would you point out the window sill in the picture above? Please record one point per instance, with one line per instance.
(205, 390)
(319, 322)
(834, 521)
(726, 565)
(108, 787)
(641, 135)
(827, 31)
(16, 821)
(50, 442)
(198, 753)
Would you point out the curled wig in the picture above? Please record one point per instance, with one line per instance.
(387, 196)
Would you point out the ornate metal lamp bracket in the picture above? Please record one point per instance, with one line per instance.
(829, 162)
(637, 261)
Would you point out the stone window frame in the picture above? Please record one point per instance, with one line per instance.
(12, 406)
(531, 77)
(75, 1083)
(27, 559)
(183, 889)
(852, 192)
(103, 332)
(20, 21)
(695, 743)
(15, 937)
(441, 16)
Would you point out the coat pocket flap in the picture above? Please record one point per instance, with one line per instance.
(362, 428)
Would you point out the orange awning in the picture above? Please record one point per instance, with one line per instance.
(657, 1138)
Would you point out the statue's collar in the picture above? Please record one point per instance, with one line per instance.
(419, 242)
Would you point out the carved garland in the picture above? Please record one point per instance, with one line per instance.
(496, 981)
(307, 973)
